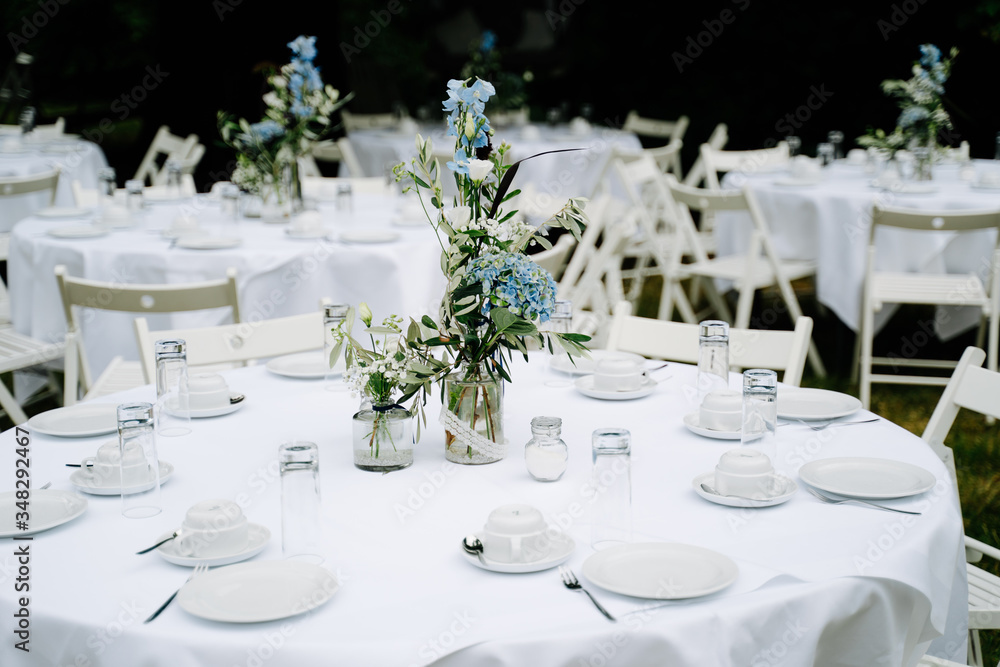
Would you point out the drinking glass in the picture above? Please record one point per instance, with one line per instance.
(134, 201)
(553, 116)
(298, 463)
(334, 318)
(137, 446)
(836, 138)
(611, 518)
(760, 412)
(27, 120)
(345, 200)
(996, 153)
(173, 400)
(560, 321)
(794, 144)
(106, 178)
(231, 202)
(174, 178)
(713, 357)
(825, 153)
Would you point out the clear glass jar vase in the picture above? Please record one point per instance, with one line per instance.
(383, 437)
(472, 416)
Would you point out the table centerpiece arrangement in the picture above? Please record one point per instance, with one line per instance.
(495, 295)
(922, 116)
(298, 113)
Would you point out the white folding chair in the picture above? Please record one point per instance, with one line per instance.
(555, 259)
(371, 121)
(120, 374)
(885, 287)
(235, 344)
(974, 388)
(656, 128)
(744, 162)
(677, 341)
(668, 157)
(717, 140)
(168, 146)
(757, 268)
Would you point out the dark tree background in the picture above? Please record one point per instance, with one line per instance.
(743, 62)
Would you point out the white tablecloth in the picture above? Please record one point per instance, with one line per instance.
(78, 160)
(276, 275)
(831, 223)
(554, 177)
(818, 584)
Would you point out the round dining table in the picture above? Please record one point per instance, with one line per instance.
(815, 583)
(78, 160)
(378, 250)
(828, 220)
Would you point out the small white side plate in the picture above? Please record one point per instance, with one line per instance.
(49, 508)
(305, 365)
(660, 570)
(585, 385)
(562, 549)
(78, 232)
(691, 422)
(807, 403)
(82, 483)
(208, 242)
(63, 212)
(258, 591)
(785, 489)
(258, 536)
(871, 478)
(791, 181)
(584, 366)
(82, 420)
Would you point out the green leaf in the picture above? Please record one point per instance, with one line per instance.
(428, 322)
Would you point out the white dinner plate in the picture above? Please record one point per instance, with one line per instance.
(861, 477)
(82, 483)
(77, 421)
(368, 236)
(784, 489)
(78, 232)
(258, 537)
(584, 366)
(691, 421)
(660, 570)
(258, 591)
(585, 385)
(47, 508)
(562, 549)
(307, 234)
(813, 404)
(63, 212)
(791, 181)
(906, 187)
(310, 365)
(208, 242)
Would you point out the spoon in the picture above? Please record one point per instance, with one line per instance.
(472, 545)
(172, 536)
(236, 398)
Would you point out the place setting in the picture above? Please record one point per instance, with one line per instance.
(618, 378)
(517, 539)
(108, 473)
(208, 395)
(214, 533)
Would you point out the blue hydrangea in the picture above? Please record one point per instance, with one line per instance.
(911, 116)
(304, 47)
(515, 281)
(265, 131)
(930, 55)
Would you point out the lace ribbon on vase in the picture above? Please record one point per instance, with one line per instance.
(482, 447)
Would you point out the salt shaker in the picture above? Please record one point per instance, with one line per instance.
(546, 455)
(611, 520)
(173, 404)
(713, 357)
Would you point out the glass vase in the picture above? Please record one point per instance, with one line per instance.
(383, 437)
(472, 416)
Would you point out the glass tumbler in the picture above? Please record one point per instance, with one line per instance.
(298, 463)
(611, 517)
(334, 320)
(173, 399)
(137, 450)
(794, 144)
(231, 202)
(561, 321)
(713, 357)
(760, 413)
(825, 153)
(174, 178)
(836, 137)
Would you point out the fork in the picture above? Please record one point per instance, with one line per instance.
(820, 427)
(835, 501)
(572, 583)
(198, 569)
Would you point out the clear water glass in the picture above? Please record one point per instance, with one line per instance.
(996, 153)
(611, 477)
(27, 120)
(174, 178)
(298, 463)
(560, 321)
(173, 399)
(345, 200)
(334, 319)
(825, 153)
(836, 138)
(713, 357)
(760, 412)
(137, 450)
(107, 183)
(794, 144)
(230, 198)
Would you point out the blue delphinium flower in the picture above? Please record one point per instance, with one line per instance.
(460, 165)
(265, 131)
(304, 47)
(911, 116)
(489, 41)
(930, 55)
(514, 281)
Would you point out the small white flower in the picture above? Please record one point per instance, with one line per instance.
(459, 216)
(470, 127)
(272, 100)
(479, 170)
(279, 82)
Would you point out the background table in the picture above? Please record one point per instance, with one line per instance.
(818, 584)
(276, 275)
(79, 160)
(831, 223)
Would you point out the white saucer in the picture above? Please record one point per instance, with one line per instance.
(170, 233)
(585, 385)
(80, 481)
(585, 366)
(691, 421)
(368, 236)
(792, 181)
(208, 242)
(307, 234)
(906, 187)
(78, 232)
(562, 549)
(63, 212)
(785, 492)
(259, 536)
(200, 413)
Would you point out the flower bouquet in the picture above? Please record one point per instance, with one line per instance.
(495, 294)
(298, 111)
